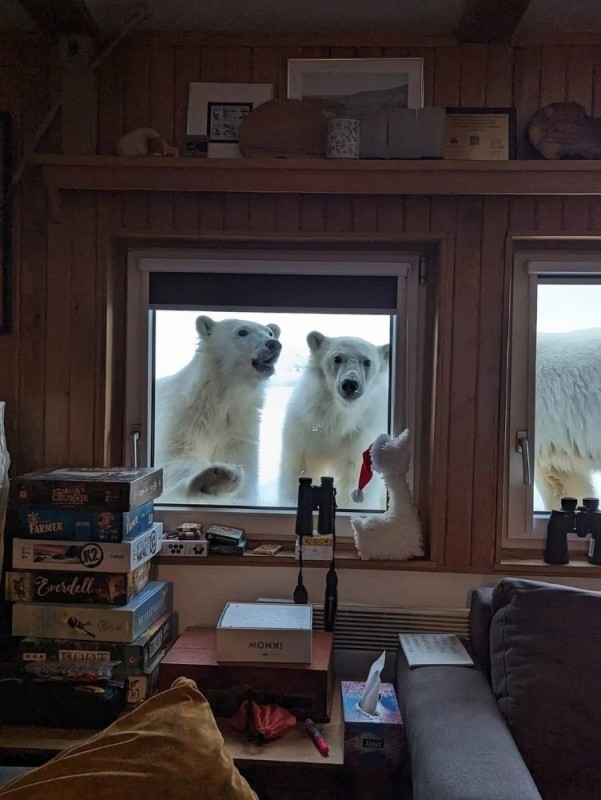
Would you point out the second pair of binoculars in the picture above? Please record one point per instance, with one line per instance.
(581, 520)
(310, 498)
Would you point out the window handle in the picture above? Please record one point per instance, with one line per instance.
(134, 446)
(523, 446)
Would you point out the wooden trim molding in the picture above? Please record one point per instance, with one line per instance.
(317, 176)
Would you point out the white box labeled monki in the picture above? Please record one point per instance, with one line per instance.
(268, 632)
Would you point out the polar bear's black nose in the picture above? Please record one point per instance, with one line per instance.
(274, 345)
(349, 387)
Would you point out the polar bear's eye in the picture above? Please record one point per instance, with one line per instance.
(337, 359)
(242, 332)
(367, 362)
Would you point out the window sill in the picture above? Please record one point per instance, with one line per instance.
(578, 566)
(285, 558)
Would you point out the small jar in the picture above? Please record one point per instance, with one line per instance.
(343, 138)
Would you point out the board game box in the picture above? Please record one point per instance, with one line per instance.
(114, 589)
(136, 656)
(93, 489)
(108, 623)
(88, 556)
(81, 525)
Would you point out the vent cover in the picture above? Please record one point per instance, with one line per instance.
(373, 628)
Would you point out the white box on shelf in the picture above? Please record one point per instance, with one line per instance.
(268, 632)
(315, 548)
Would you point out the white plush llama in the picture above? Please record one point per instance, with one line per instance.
(395, 535)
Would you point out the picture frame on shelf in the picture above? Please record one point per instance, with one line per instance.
(354, 87)
(479, 133)
(5, 221)
(215, 113)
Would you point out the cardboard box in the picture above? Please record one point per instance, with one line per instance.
(82, 525)
(136, 656)
(266, 632)
(109, 623)
(371, 741)
(315, 548)
(194, 548)
(115, 589)
(306, 690)
(93, 489)
(88, 556)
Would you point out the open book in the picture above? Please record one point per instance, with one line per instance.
(432, 649)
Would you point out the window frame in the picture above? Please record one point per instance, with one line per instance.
(529, 269)
(283, 258)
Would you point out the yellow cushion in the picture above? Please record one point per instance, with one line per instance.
(169, 748)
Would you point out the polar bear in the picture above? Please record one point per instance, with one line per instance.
(336, 410)
(207, 415)
(568, 415)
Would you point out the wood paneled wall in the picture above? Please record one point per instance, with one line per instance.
(54, 366)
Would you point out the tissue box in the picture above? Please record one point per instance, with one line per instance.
(371, 740)
(267, 632)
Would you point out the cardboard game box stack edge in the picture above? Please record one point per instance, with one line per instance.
(83, 579)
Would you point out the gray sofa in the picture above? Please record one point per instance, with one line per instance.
(525, 723)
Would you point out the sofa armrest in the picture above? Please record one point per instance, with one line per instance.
(459, 744)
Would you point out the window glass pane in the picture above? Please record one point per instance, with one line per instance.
(310, 408)
(568, 391)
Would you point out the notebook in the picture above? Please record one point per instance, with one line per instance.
(434, 649)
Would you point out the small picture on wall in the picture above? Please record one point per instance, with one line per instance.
(216, 112)
(224, 120)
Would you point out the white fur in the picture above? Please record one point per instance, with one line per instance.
(136, 143)
(208, 414)
(326, 429)
(395, 535)
(568, 414)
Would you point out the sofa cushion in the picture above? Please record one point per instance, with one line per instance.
(169, 747)
(545, 661)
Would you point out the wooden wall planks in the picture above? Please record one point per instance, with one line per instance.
(62, 366)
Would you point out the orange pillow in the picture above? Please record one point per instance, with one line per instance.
(169, 748)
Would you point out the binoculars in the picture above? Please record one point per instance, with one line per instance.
(322, 498)
(582, 520)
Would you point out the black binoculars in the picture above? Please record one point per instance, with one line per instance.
(582, 520)
(322, 498)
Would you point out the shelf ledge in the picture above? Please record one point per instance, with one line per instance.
(317, 176)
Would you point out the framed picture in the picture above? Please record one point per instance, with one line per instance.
(479, 134)
(215, 113)
(5, 221)
(356, 87)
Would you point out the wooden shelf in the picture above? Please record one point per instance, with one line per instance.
(318, 176)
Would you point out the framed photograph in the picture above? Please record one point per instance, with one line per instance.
(479, 134)
(356, 87)
(215, 113)
(5, 221)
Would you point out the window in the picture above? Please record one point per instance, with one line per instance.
(284, 326)
(554, 432)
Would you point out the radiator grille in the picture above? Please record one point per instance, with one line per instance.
(375, 628)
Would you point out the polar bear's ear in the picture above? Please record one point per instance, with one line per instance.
(275, 329)
(315, 339)
(384, 353)
(204, 326)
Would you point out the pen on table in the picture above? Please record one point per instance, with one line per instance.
(317, 737)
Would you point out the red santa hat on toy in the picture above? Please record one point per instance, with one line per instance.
(365, 476)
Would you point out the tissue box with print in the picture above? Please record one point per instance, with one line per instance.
(371, 740)
(268, 632)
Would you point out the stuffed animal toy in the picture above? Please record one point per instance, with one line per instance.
(144, 142)
(395, 535)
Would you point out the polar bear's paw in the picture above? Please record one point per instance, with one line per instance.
(217, 479)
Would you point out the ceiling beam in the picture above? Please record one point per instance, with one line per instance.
(490, 20)
(63, 18)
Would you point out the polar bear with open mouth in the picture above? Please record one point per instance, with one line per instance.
(208, 415)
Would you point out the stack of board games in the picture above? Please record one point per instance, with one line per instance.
(83, 581)
(226, 541)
